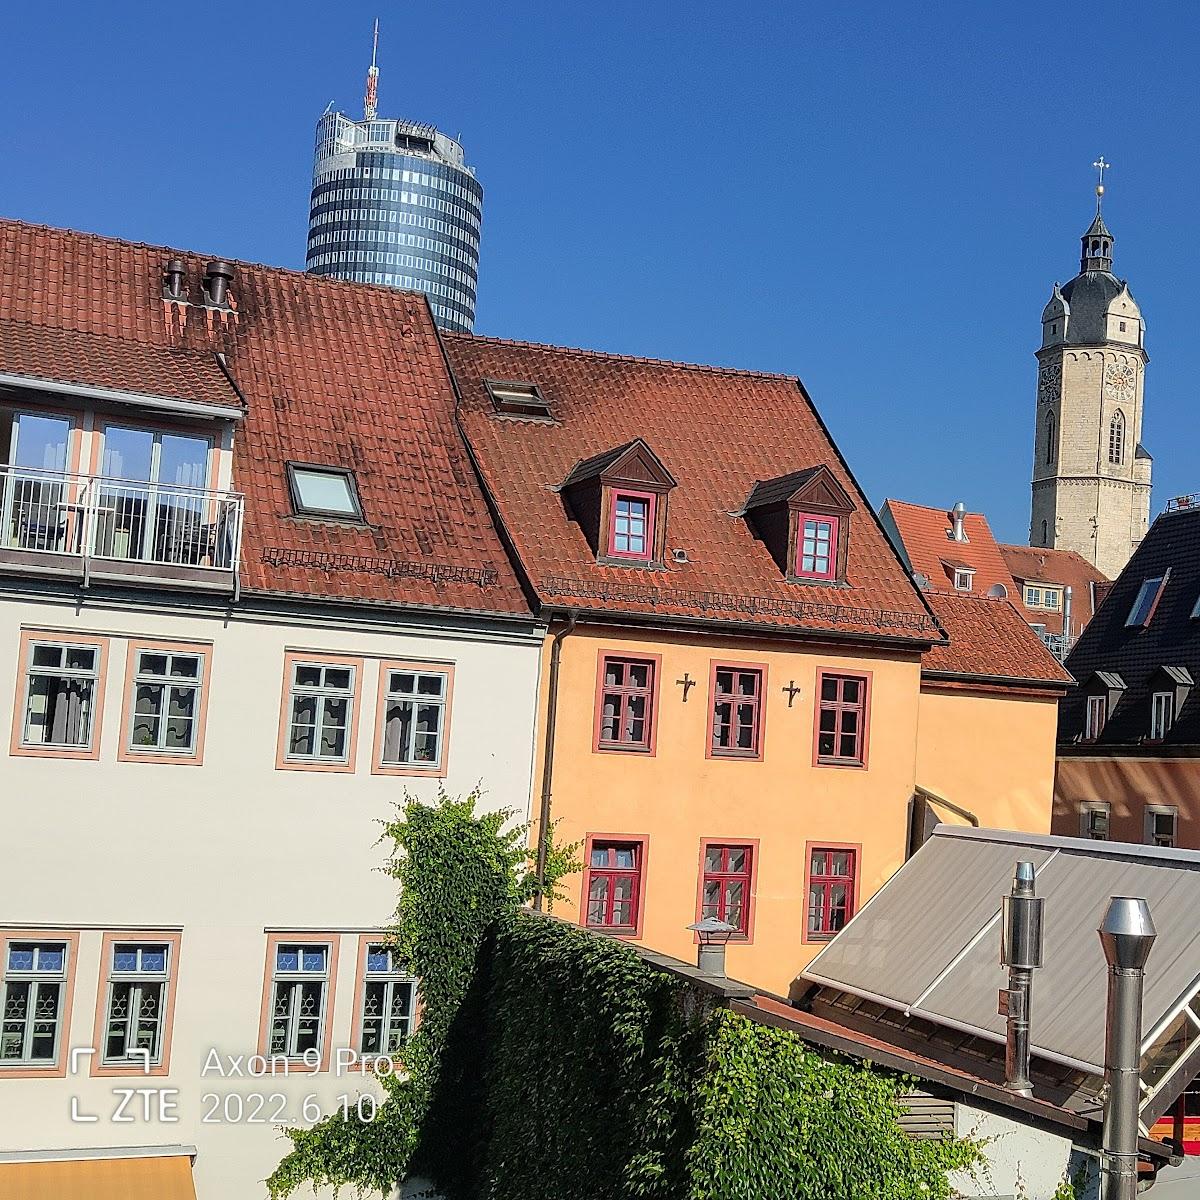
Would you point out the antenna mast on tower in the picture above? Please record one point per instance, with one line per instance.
(370, 100)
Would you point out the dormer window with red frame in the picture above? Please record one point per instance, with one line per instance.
(619, 500)
(817, 545)
(803, 519)
(631, 525)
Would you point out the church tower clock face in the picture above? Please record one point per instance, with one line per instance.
(1049, 383)
(1119, 382)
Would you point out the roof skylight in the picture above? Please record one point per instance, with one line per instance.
(518, 399)
(323, 491)
(1147, 599)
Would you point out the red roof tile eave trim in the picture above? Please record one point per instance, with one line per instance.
(342, 602)
(600, 616)
(1060, 686)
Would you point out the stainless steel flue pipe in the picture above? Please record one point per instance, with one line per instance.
(1127, 934)
(1021, 953)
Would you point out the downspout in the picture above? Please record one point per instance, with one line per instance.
(543, 845)
(942, 802)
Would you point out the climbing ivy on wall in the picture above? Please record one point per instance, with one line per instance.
(458, 871)
(598, 1070)
(552, 1063)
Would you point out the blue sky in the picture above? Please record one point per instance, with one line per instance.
(875, 198)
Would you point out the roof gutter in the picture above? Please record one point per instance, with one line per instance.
(188, 408)
(1012, 681)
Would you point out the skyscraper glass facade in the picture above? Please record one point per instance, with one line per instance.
(394, 202)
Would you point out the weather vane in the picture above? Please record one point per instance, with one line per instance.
(1101, 166)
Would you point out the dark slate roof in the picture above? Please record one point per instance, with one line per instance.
(1098, 228)
(1089, 294)
(775, 491)
(1137, 655)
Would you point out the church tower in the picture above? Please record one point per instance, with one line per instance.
(1091, 476)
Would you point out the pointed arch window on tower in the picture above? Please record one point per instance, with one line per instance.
(1045, 533)
(1116, 438)
(1051, 438)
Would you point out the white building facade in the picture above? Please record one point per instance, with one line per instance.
(223, 663)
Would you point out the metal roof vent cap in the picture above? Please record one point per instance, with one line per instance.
(175, 281)
(957, 516)
(218, 276)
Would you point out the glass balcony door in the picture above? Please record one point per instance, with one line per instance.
(35, 508)
(152, 505)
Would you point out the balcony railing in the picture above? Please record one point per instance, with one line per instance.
(1058, 644)
(118, 521)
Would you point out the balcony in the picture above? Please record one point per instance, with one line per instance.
(93, 528)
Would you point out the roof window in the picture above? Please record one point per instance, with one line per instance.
(1146, 602)
(518, 399)
(324, 491)
(1196, 610)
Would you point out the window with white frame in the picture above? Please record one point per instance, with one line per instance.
(1043, 597)
(138, 975)
(964, 579)
(414, 717)
(60, 695)
(388, 1002)
(1094, 820)
(166, 702)
(35, 982)
(322, 700)
(299, 986)
(1162, 821)
(1097, 715)
(321, 491)
(1162, 714)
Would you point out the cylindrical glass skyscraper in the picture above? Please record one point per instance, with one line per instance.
(394, 202)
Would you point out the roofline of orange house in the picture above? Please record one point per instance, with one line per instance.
(1045, 687)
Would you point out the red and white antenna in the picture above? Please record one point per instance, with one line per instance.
(370, 100)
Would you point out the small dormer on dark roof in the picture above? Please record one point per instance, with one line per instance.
(803, 519)
(1176, 680)
(618, 498)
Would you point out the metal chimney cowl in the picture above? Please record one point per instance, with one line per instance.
(1127, 933)
(957, 516)
(218, 275)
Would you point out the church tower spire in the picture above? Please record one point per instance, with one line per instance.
(1097, 242)
(1091, 475)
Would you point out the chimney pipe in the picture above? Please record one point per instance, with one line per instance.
(217, 278)
(1021, 953)
(712, 933)
(957, 514)
(1066, 620)
(175, 281)
(1127, 935)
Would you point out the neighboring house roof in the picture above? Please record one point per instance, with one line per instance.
(333, 373)
(989, 639)
(1138, 653)
(926, 947)
(718, 433)
(1061, 568)
(925, 536)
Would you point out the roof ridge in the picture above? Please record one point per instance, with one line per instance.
(40, 227)
(743, 372)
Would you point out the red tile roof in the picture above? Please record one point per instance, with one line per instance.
(333, 373)
(718, 432)
(989, 638)
(924, 533)
(1065, 568)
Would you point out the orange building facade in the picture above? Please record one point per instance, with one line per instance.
(734, 683)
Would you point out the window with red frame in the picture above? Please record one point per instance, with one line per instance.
(1097, 714)
(816, 546)
(737, 711)
(626, 704)
(614, 885)
(631, 527)
(830, 890)
(726, 885)
(842, 719)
